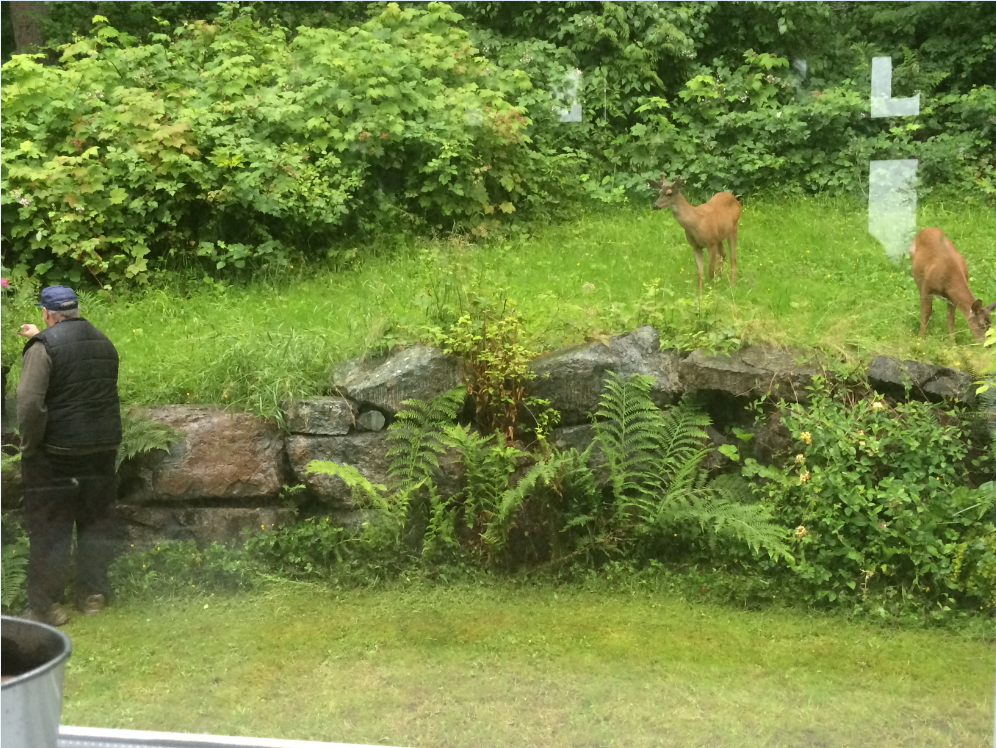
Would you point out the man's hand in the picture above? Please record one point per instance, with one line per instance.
(28, 331)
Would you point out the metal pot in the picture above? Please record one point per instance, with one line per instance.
(34, 655)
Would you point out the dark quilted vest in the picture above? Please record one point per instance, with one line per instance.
(82, 400)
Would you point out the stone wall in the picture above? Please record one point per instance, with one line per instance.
(229, 469)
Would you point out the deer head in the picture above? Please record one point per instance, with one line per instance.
(668, 192)
(980, 319)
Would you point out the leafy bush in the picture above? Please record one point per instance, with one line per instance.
(176, 568)
(881, 497)
(234, 144)
(497, 364)
(312, 548)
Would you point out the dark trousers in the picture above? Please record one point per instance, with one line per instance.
(60, 491)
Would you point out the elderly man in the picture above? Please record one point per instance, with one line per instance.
(70, 427)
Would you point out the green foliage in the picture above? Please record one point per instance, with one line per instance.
(313, 548)
(232, 144)
(707, 90)
(140, 434)
(497, 370)
(18, 308)
(238, 142)
(379, 546)
(177, 568)
(417, 436)
(13, 566)
(973, 561)
(654, 460)
(881, 495)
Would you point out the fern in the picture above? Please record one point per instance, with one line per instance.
(359, 486)
(440, 533)
(488, 466)
(417, 434)
(13, 567)
(143, 434)
(628, 430)
(547, 473)
(655, 466)
(390, 511)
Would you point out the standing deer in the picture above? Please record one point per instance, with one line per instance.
(940, 270)
(706, 225)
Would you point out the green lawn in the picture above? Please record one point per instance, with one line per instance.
(808, 274)
(513, 666)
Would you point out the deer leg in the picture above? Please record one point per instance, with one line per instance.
(712, 261)
(951, 319)
(698, 264)
(926, 308)
(733, 256)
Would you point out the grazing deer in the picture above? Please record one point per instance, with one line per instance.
(706, 225)
(940, 270)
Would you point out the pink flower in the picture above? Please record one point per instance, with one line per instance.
(3, 283)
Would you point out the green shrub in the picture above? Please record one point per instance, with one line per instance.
(310, 549)
(176, 568)
(880, 495)
(234, 143)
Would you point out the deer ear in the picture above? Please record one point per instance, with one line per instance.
(651, 183)
(991, 308)
(678, 183)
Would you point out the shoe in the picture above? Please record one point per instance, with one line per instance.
(55, 616)
(93, 605)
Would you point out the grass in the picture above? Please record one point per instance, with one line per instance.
(808, 274)
(512, 666)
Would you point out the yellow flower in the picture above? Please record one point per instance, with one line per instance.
(804, 476)
(806, 437)
(262, 527)
(878, 406)
(801, 532)
(799, 458)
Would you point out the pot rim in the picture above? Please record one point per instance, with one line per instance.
(45, 668)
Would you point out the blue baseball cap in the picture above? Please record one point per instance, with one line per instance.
(58, 299)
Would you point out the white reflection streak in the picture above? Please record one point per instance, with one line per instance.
(891, 184)
(882, 103)
(573, 114)
(892, 204)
